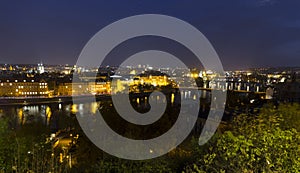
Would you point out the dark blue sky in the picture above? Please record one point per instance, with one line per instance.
(245, 33)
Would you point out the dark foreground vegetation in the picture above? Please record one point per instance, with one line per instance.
(268, 141)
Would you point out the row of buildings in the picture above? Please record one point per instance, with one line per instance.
(23, 88)
(117, 84)
(41, 88)
(14, 83)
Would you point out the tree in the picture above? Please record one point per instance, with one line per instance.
(6, 148)
(263, 143)
(119, 165)
(23, 149)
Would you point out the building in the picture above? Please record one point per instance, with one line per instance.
(99, 87)
(23, 88)
(118, 86)
(40, 68)
(152, 78)
(68, 89)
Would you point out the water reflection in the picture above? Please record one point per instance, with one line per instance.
(52, 114)
(74, 109)
(21, 116)
(94, 107)
(48, 114)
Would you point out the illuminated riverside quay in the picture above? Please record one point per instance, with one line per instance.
(41, 106)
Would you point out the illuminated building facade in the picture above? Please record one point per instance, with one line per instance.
(155, 80)
(23, 88)
(41, 68)
(99, 87)
(68, 89)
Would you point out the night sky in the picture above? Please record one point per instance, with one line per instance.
(245, 33)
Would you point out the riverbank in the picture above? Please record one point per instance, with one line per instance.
(8, 101)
